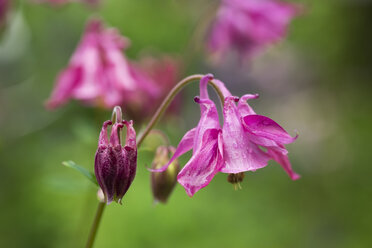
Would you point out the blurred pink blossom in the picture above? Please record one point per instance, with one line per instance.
(99, 74)
(248, 26)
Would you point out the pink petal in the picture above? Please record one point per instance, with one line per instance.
(203, 165)
(184, 146)
(264, 127)
(283, 160)
(103, 140)
(203, 86)
(66, 82)
(240, 154)
(208, 120)
(243, 107)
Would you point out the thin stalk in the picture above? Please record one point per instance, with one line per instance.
(94, 228)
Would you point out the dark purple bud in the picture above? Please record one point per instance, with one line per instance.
(163, 183)
(115, 166)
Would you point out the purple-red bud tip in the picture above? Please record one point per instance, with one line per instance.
(197, 99)
(107, 123)
(236, 99)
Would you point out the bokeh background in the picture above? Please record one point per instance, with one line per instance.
(317, 81)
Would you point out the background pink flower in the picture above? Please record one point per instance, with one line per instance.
(248, 26)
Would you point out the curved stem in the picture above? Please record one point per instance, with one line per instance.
(93, 230)
(164, 105)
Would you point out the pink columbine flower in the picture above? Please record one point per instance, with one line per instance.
(98, 73)
(234, 148)
(115, 165)
(249, 25)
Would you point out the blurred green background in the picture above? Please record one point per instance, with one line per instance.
(317, 81)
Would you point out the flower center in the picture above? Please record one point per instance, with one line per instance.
(236, 179)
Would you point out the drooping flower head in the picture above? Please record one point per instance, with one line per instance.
(115, 165)
(98, 73)
(235, 148)
(248, 26)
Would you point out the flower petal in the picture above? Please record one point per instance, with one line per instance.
(184, 146)
(243, 107)
(283, 160)
(222, 87)
(264, 127)
(208, 120)
(240, 154)
(203, 165)
(203, 86)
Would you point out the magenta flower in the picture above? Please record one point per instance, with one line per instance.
(115, 166)
(235, 148)
(249, 25)
(98, 72)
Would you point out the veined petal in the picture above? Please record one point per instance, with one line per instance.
(103, 141)
(203, 165)
(115, 135)
(240, 154)
(264, 127)
(283, 160)
(204, 86)
(130, 139)
(208, 120)
(184, 146)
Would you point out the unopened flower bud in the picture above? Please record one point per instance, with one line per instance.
(162, 183)
(115, 166)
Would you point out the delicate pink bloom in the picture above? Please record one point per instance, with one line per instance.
(115, 165)
(250, 25)
(98, 72)
(233, 149)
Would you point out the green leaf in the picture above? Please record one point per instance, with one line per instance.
(82, 170)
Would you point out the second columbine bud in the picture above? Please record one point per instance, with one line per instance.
(162, 183)
(115, 165)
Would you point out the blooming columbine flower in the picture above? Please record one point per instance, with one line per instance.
(249, 25)
(235, 148)
(98, 72)
(115, 166)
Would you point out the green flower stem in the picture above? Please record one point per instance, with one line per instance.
(164, 105)
(116, 115)
(94, 228)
